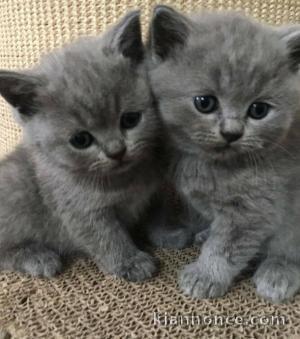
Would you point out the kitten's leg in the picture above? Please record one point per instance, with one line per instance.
(278, 276)
(110, 245)
(118, 255)
(31, 258)
(277, 279)
(200, 226)
(232, 243)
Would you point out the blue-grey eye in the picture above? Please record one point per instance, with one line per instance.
(82, 140)
(206, 103)
(258, 110)
(130, 120)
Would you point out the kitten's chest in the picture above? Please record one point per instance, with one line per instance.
(209, 187)
(196, 177)
(97, 198)
(135, 201)
(202, 181)
(79, 202)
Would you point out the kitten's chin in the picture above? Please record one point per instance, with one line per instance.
(123, 167)
(224, 152)
(113, 169)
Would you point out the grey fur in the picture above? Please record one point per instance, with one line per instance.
(250, 191)
(57, 200)
(167, 223)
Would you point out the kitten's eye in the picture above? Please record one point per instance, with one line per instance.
(206, 104)
(130, 120)
(82, 140)
(258, 110)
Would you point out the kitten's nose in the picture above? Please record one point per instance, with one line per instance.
(116, 154)
(115, 150)
(231, 136)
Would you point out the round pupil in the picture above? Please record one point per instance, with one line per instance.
(205, 104)
(130, 120)
(258, 110)
(82, 140)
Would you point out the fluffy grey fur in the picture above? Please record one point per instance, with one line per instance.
(240, 173)
(168, 223)
(57, 199)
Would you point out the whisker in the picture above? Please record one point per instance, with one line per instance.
(276, 145)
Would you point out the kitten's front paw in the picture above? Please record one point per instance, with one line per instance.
(277, 281)
(44, 264)
(138, 268)
(197, 283)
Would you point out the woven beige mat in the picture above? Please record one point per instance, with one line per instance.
(83, 303)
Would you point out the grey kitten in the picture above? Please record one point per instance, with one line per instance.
(229, 93)
(88, 164)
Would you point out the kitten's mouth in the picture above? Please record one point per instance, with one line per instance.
(122, 166)
(223, 148)
(224, 151)
(114, 167)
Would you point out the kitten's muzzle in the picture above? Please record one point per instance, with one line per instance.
(116, 155)
(115, 150)
(231, 129)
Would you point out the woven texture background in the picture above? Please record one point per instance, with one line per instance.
(83, 303)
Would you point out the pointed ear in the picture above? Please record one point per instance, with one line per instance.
(127, 37)
(169, 29)
(20, 91)
(291, 36)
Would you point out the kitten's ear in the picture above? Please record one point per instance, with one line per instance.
(127, 37)
(291, 36)
(169, 29)
(20, 91)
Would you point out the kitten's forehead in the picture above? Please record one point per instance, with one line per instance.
(86, 68)
(91, 87)
(234, 52)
